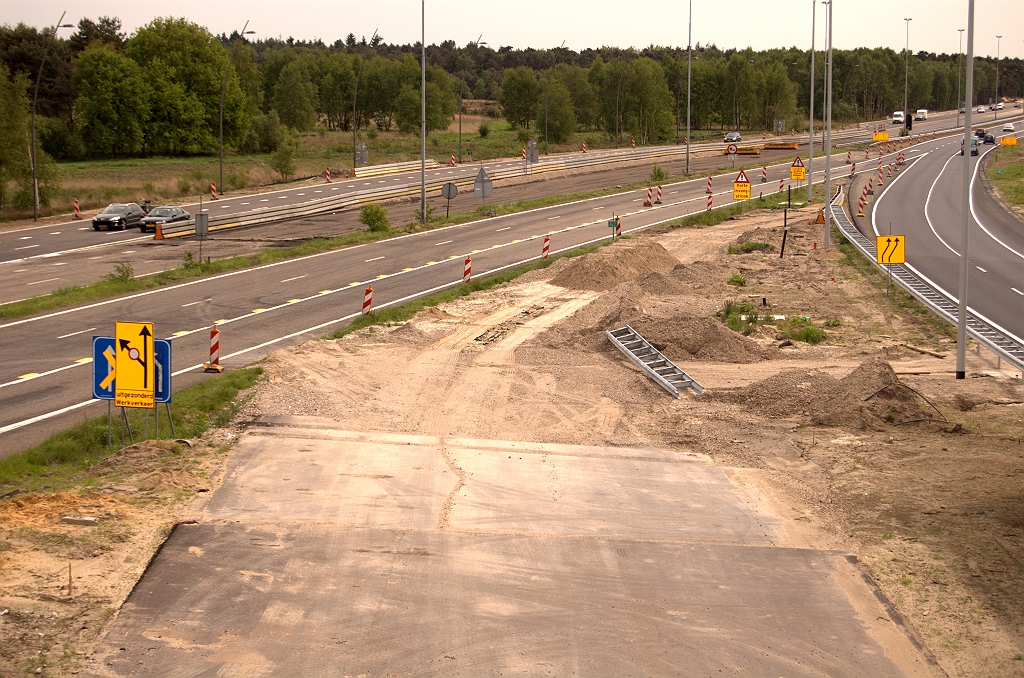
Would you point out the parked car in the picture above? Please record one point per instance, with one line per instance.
(990, 139)
(1008, 127)
(981, 109)
(974, 146)
(118, 216)
(162, 215)
(733, 137)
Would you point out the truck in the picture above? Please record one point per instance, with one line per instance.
(897, 117)
(922, 114)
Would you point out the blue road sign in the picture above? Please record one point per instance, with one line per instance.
(103, 361)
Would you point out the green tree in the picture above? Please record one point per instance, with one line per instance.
(440, 102)
(335, 89)
(283, 159)
(647, 106)
(15, 161)
(112, 108)
(581, 92)
(519, 95)
(375, 217)
(295, 97)
(561, 119)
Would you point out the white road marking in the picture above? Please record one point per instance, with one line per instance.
(193, 303)
(374, 259)
(300, 194)
(298, 277)
(71, 334)
(282, 197)
(503, 229)
(1017, 291)
(129, 252)
(442, 243)
(20, 270)
(61, 263)
(84, 228)
(981, 269)
(224, 207)
(39, 282)
(335, 188)
(264, 200)
(26, 247)
(245, 203)
(55, 233)
(27, 237)
(318, 191)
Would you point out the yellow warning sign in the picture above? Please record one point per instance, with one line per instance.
(891, 249)
(134, 365)
(741, 187)
(797, 171)
(880, 136)
(1007, 141)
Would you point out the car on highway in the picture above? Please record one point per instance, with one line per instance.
(922, 114)
(118, 216)
(981, 109)
(733, 137)
(999, 106)
(1016, 104)
(1008, 127)
(162, 216)
(980, 132)
(974, 146)
(898, 118)
(990, 139)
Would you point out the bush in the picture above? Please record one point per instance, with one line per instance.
(184, 186)
(375, 217)
(740, 316)
(430, 213)
(282, 160)
(122, 273)
(833, 322)
(658, 175)
(523, 136)
(484, 129)
(237, 179)
(372, 133)
(737, 279)
(808, 333)
(265, 135)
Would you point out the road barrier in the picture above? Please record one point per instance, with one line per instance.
(392, 168)
(584, 146)
(327, 174)
(78, 211)
(650, 193)
(368, 300)
(764, 175)
(213, 190)
(467, 270)
(658, 200)
(711, 201)
(214, 364)
(708, 189)
(451, 161)
(546, 247)
(848, 160)
(158, 232)
(980, 329)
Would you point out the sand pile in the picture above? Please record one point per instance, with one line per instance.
(700, 274)
(869, 397)
(607, 267)
(38, 510)
(686, 338)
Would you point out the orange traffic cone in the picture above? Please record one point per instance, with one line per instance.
(159, 233)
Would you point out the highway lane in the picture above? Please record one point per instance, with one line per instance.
(925, 204)
(33, 243)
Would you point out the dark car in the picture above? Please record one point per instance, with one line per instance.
(162, 215)
(118, 216)
(990, 139)
(733, 137)
(980, 132)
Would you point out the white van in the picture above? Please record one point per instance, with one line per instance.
(922, 114)
(897, 118)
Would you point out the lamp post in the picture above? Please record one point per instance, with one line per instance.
(689, 82)
(423, 112)
(35, 96)
(996, 110)
(355, 93)
(223, 90)
(961, 324)
(477, 45)
(546, 91)
(906, 74)
(810, 143)
(828, 128)
(959, 66)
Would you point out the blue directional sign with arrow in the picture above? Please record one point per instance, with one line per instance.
(104, 360)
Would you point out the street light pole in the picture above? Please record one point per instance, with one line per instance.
(423, 113)
(35, 96)
(965, 198)
(689, 82)
(810, 143)
(223, 90)
(959, 67)
(906, 73)
(996, 111)
(355, 94)
(828, 133)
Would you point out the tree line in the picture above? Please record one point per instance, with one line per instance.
(157, 92)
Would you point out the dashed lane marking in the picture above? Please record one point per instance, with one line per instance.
(442, 243)
(71, 334)
(40, 282)
(374, 259)
(298, 277)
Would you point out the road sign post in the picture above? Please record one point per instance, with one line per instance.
(104, 370)
(202, 231)
(134, 365)
(890, 250)
(741, 187)
(449, 191)
(482, 187)
(797, 171)
(731, 150)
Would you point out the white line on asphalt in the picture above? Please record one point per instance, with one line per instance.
(39, 282)
(1017, 291)
(981, 269)
(27, 237)
(283, 197)
(30, 377)
(20, 270)
(55, 233)
(224, 207)
(84, 228)
(374, 259)
(503, 229)
(65, 336)
(264, 200)
(442, 243)
(245, 203)
(298, 277)
(26, 247)
(193, 303)
(557, 216)
(60, 263)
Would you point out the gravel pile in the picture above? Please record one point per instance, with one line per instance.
(607, 267)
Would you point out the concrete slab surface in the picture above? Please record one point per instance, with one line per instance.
(333, 553)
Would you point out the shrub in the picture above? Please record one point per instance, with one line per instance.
(282, 160)
(430, 213)
(265, 135)
(523, 136)
(658, 175)
(372, 133)
(737, 279)
(237, 179)
(375, 217)
(833, 322)
(122, 273)
(184, 186)
(740, 316)
(801, 330)
(484, 129)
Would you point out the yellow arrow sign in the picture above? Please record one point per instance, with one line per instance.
(891, 249)
(134, 365)
(111, 366)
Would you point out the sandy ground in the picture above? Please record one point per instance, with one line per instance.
(862, 444)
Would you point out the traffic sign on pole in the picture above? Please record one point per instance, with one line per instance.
(134, 365)
(741, 187)
(104, 359)
(891, 249)
(797, 171)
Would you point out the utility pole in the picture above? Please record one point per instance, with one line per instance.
(35, 96)
(965, 199)
(423, 112)
(689, 83)
(828, 137)
(906, 74)
(355, 93)
(223, 91)
(959, 67)
(996, 111)
(810, 143)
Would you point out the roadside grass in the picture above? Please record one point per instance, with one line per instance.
(394, 315)
(64, 456)
(1005, 169)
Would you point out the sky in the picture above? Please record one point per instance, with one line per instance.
(759, 24)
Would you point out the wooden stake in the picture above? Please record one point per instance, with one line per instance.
(69, 579)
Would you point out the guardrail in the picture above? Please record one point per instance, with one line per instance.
(391, 168)
(332, 204)
(993, 338)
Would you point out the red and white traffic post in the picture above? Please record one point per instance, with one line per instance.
(618, 226)
(710, 200)
(545, 248)
(632, 141)
(78, 211)
(708, 191)
(782, 185)
(584, 146)
(214, 364)
(658, 200)
(467, 271)
(650, 192)
(327, 174)
(524, 154)
(848, 159)
(368, 300)
(213, 190)
(764, 175)
(451, 161)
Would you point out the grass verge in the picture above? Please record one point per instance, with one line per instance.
(1005, 169)
(52, 464)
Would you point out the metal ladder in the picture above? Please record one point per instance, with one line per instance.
(660, 369)
(984, 333)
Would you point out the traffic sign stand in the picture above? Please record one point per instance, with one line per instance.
(741, 187)
(890, 250)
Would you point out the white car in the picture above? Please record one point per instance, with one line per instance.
(999, 106)
(1008, 127)
(981, 109)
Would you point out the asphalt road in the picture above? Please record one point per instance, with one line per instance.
(330, 553)
(924, 204)
(45, 380)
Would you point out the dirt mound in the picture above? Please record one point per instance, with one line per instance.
(770, 236)
(869, 397)
(661, 284)
(699, 274)
(605, 268)
(684, 338)
(37, 510)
